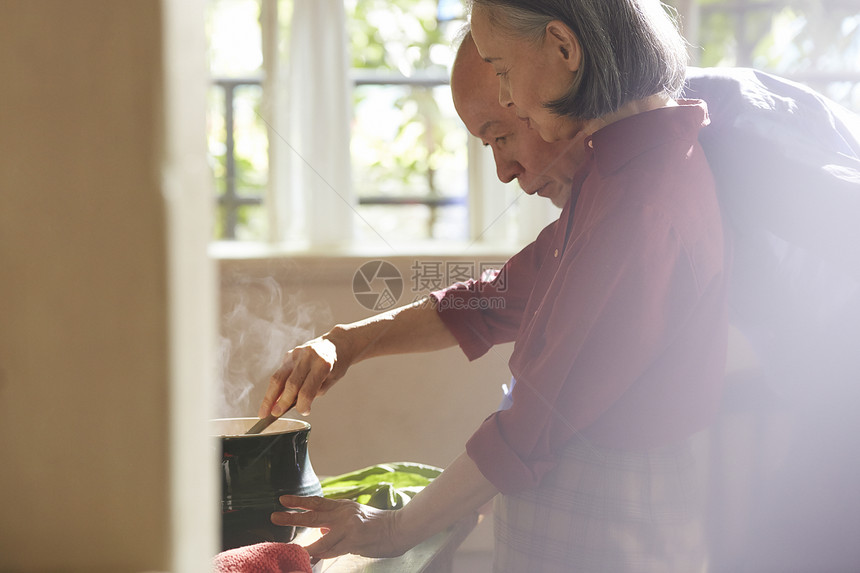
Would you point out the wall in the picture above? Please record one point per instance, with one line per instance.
(90, 342)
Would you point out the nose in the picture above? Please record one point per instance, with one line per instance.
(505, 98)
(507, 170)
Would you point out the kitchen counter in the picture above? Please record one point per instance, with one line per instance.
(435, 555)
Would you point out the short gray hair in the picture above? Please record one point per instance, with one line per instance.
(631, 49)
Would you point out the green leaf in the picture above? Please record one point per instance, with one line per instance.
(384, 486)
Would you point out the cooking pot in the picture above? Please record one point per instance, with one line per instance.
(255, 471)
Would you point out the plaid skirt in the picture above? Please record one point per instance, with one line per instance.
(606, 511)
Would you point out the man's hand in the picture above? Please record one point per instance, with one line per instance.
(348, 527)
(307, 372)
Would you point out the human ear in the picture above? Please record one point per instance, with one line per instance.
(564, 43)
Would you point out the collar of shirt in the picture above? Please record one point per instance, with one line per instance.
(621, 141)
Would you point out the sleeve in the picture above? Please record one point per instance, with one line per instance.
(482, 313)
(613, 308)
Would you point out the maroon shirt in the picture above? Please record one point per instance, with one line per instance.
(618, 309)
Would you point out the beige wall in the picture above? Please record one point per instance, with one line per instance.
(88, 337)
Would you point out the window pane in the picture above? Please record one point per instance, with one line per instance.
(233, 29)
(216, 136)
(239, 168)
(408, 144)
(251, 142)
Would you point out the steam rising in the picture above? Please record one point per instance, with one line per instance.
(259, 326)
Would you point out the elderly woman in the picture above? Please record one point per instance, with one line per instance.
(621, 334)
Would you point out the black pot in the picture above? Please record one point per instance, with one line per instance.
(255, 471)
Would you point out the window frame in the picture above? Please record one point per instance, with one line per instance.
(500, 217)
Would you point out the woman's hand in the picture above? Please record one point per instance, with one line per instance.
(307, 371)
(348, 527)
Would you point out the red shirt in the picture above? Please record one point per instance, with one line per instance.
(618, 309)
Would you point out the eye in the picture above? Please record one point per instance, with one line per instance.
(497, 141)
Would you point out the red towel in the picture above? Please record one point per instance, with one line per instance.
(264, 558)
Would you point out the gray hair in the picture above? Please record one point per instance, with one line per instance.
(631, 49)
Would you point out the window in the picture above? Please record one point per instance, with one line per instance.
(409, 153)
(416, 175)
(816, 42)
(413, 172)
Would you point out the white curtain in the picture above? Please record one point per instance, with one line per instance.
(312, 187)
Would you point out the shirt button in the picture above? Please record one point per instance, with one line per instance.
(555, 254)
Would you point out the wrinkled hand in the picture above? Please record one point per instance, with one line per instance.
(348, 527)
(307, 372)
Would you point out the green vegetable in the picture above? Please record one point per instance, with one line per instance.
(384, 486)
